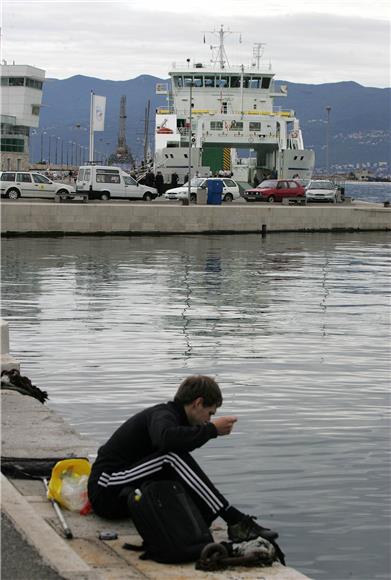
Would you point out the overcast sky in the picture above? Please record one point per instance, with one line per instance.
(308, 41)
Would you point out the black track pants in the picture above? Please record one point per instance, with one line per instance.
(108, 491)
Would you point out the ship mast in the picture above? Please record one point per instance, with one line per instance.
(258, 50)
(221, 56)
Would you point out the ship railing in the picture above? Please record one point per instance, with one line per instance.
(274, 113)
(249, 135)
(164, 111)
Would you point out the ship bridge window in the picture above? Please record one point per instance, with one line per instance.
(197, 82)
(216, 125)
(266, 82)
(222, 82)
(235, 82)
(210, 81)
(254, 126)
(254, 83)
(178, 81)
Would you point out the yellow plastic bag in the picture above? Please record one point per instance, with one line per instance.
(68, 483)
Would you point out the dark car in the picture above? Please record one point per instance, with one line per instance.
(273, 190)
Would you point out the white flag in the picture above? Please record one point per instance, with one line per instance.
(98, 113)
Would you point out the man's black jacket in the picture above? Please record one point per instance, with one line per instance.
(161, 428)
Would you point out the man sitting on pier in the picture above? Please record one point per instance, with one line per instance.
(156, 444)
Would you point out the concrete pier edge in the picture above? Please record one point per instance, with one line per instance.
(54, 551)
(45, 219)
(7, 362)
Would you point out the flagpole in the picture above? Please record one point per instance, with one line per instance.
(91, 151)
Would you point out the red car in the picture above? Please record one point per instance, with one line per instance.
(273, 190)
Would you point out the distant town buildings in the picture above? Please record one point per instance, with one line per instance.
(21, 98)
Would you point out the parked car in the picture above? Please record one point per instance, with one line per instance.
(273, 190)
(230, 189)
(104, 182)
(14, 184)
(322, 190)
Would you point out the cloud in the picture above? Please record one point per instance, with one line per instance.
(121, 40)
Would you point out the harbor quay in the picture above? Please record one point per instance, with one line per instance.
(40, 218)
(33, 433)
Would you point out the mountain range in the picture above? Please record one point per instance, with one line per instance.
(359, 125)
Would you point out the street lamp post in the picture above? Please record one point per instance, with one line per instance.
(190, 137)
(50, 148)
(42, 134)
(56, 151)
(328, 109)
(62, 152)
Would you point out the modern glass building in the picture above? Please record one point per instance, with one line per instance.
(21, 97)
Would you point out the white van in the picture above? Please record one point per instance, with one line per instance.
(106, 182)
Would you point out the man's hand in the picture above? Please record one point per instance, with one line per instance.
(224, 425)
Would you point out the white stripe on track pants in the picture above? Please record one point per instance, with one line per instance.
(108, 491)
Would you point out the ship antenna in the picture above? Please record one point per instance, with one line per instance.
(221, 57)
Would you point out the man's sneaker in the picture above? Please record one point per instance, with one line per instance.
(247, 529)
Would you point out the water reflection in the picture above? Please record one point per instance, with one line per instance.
(295, 328)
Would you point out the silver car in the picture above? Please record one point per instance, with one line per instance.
(321, 190)
(230, 189)
(14, 184)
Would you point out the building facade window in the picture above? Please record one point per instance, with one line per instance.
(7, 129)
(21, 82)
(14, 145)
(35, 110)
(16, 81)
(34, 84)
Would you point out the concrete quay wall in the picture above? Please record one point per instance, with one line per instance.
(27, 218)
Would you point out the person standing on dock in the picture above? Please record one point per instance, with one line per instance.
(174, 179)
(159, 182)
(149, 179)
(156, 444)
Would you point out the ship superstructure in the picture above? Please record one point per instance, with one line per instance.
(221, 109)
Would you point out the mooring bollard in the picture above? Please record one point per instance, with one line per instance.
(7, 362)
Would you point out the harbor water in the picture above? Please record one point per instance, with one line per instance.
(294, 327)
(368, 191)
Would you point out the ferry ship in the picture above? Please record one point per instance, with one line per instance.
(223, 118)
